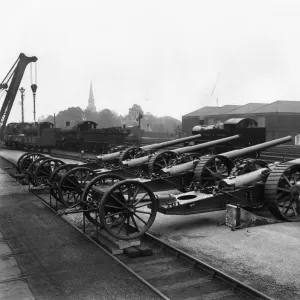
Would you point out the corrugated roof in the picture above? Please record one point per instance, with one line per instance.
(201, 112)
(247, 108)
(279, 106)
(222, 110)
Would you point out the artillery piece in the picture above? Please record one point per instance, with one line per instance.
(133, 152)
(165, 158)
(106, 160)
(113, 190)
(74, 178)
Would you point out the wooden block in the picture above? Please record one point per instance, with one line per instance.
(122, 244)
(145, 250)
(106, 243)
(132, 252)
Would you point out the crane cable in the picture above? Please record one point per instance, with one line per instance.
(35, 73)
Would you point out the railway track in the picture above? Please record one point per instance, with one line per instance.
(168, 271)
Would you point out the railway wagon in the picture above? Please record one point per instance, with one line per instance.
(247, 128)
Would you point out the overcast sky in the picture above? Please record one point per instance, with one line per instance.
(163, 55)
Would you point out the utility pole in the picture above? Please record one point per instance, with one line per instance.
(22, 90)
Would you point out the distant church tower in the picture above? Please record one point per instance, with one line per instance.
(91, 105)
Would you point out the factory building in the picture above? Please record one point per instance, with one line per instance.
(280, 118)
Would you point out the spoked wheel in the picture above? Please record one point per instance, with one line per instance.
(56, 176)
(32, 168)
(161, 160)
(45, 169)
(282, 192)
(28, 160)
(128, 209)
(129, 153)
(245, 166)
(93, 194)
(71, 186)
(211, 169)
(21, 158)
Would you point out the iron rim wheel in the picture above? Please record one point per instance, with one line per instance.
(27, 161)
(72, 184)
(129, 153)
(245, 166)
(128, 209)
(91, 198)
(45, 169)
(32, 168)
(56, 176)
(160, 160)
(21, 158)
(211, 169)
(282, 192)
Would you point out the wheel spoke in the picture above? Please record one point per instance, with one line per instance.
(286, 179)
(134, 223)
(115, 198)
(140, 218)
(139, 200)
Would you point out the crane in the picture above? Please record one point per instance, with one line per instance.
(11, 84)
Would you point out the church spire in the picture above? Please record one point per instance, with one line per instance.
(91, 104)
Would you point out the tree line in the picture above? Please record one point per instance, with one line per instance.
(107, 118)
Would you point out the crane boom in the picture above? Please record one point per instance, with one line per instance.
(16, 77)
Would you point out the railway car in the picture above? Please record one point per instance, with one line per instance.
(248, 128)
(30, 136)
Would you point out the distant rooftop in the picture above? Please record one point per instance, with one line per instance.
(279, 106)
(222, 110)
(202, 112)
(247, 108)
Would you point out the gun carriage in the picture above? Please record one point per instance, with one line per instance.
(41, 170)
(83, 189)
(127, 208)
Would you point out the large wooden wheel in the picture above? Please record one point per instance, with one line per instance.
(28, 160)
(56, 176)
(160, 160)
(282, 192)
(129, 153)
(45, 169)
(21, 158)
(211, 169)
(245, 166)
(32, 168)
(72, 184)
(93, 193)
(128, 209)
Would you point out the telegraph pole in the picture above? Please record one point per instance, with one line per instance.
(22, 90)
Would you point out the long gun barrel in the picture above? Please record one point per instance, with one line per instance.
(259, 147)
(144, 159)
(186, 167)
(115, 155)
(248, 178)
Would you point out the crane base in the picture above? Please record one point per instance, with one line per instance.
(237, 218)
